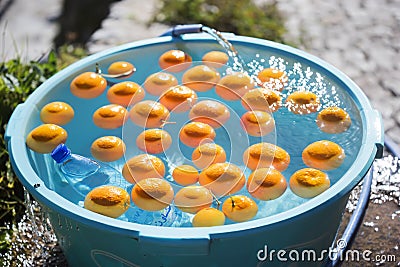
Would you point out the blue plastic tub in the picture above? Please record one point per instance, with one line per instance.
(90, 239)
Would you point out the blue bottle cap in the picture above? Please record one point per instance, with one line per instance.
(60, 153)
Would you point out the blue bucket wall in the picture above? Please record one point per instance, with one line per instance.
(87, 245)
(89, 239)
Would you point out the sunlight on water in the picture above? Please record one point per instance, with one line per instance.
(293, 132)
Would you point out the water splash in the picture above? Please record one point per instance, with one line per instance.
(385, 184)
(33, 240)
(238, 62)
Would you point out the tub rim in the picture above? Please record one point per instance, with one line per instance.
(372, 143)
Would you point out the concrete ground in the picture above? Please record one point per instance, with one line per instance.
(359, 37)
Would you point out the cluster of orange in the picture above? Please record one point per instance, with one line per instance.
(217, 178)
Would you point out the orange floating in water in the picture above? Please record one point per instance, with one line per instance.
(59, 113)
(333, 120)
(125, 93)
(157, 83)
(178, 98)
(222, 178)
(303, 102)
(239, 208)
(257, 123)
(210, 112)
(123, 68)
(152, 194)
(88, 85)
(141, 167)
(266, 155)
(234, 86)
(262, 99)
(149, 114)
(154, 141)
(108, 200)
(208, 217)
(272, 78)
(108, 148)
(46, 137)
(215, 59)
(195, 133)
(175, 60)
(266, 184)
(206, 154)
(323, 155)
(185, 175)
(110, 116)
(309, 182)
(200, 78)
(193, 198)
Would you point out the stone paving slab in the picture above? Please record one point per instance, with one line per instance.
(126, 23)
(27, 28)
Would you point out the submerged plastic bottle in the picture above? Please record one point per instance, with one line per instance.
(82, 173)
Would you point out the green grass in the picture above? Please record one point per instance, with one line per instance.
(240, 17)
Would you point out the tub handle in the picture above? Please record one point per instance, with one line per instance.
(178, 30)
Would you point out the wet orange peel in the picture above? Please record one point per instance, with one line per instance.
(178, 98)
(274, 78)
(125, 93)
(208, 217)
(222, 178)
(152, 194)
(201, 78)
(266, 184)
(206, 154)
(57, 112)
(333, 120)
(194, 133)
(185, 175)
(121, 67)
(141, 167)
(234, 86)
(88, 85)
(239, 208)
(46, 137)
(303, 102)
(108, 148)
(210, 112)
(175, 60)
(154, 141)
(157, 83)
(110, 116)
(149, 114)
(111, 201)
(193, 198)
(262, 99)
(257, 123)
(309, 182)
(265, 155)
(323, 155)
(215, 59)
